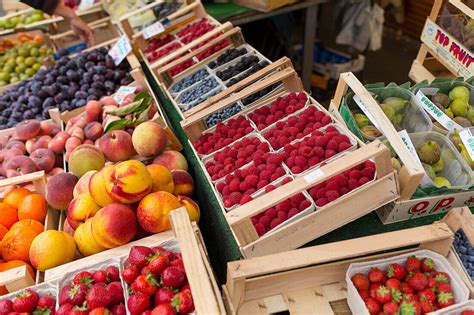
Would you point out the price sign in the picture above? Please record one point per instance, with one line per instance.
(122, 92)
(467, 139)
(154, 29)
(313, 176)
(436, 113)
(120, 50)
(366, 111)
(407, 141)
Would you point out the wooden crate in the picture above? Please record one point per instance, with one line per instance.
(440, 54)
(264, 5)
(47, 23)
(347, 208)
(206, 295)
(19, 278)
(313, 278)
(92, 14)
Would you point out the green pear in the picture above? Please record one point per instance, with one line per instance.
(441, 182)
(361, 120)
(459, 93)
(459, 107)
(438, 166)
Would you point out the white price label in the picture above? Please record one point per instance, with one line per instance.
(467, 139)
(120, 50)
(122, 92)
(154, 29)
(407, 141)
(366, 111)
(86, 4)
(436, 113)
(313, 176)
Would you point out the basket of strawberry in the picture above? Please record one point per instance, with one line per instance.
(466, 308)
(94, 290)
(40, 299)
(156, 281)
(416, 283)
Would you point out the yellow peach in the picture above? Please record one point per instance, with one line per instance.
(128, 182)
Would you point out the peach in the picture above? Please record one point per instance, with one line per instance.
(82, 185)
(116, 145)
(51, 249)
(191, 207)
(93, 130)
(41, 143)
(128, 182)
(153, 210)
(58, 143)
(93, 110)
(6, 155)
(27, 129)
(19, 165)
(183, 183)
(44, 159)
(88, 141)
(149, 139)
(59, 190)
(114, 225)
(49, 128)
(3, 141)
(57, 170)
(77, 132)
(85, 242)
(97, 186)
(173, 160)
(80, 209)
(108, 100)
(85, 158)
(29, 144)
(161, 178)
(67, 228)
(16, 144)
(72, 143)
(128, 99)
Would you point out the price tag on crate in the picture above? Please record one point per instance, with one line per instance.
(122, 92)
(86, 4)
(436, 113)
(467, 139)
(407, 141)
(120, 50)
(366, 111)
(311, 177)
(154, 29)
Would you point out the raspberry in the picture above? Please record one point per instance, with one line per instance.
(269, 188)
(235, 197)
(304, 205)
(301, 161)
(239, 163)
(260, 229)
(332, 185)
(280, 172)
(317, 125)
(263, 146)
(238, 174)
(234, 185)
(271, 213)
(306, 151)
(283, 206)
(265, 221)
(368, 172)
(343, 146)
(312, 192)
(352, 184)
(262, 183)
(220, 186)
(370, 164)
(356, 174)
(318, 151)
(228, 168)
(288, 147)
(321, 141)
(282, 215)
(321, 193)
(296, 169)
(321, 202)
(275, 223)
(297, 199)
(326, 120)
(363, 180)
(331, 129)
(265, 175)
(252, 180)
(244, 173)
(332, 145)
(286, 180)
(243, 186)
(258, 160)
(226, 191)
(250, 191)
(332, 195)
(344, 190)
(292, 212)
(245, 199)
(341, 180)
(275, 176)
(252, 170)
(228, 203)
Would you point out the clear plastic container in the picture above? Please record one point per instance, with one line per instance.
(456, 309)
(42, 289)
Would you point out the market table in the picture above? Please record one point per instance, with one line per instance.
(239, 15)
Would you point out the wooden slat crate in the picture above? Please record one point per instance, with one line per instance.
(347, 208)
(47, 23)
(92, 14)
(313, 278)
(264, 5)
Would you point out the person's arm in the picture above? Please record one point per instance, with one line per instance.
(57, 7)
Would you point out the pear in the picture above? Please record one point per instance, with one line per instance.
(441, 99)
(465, 155)
(456, 139)
(389, 111)
(470, 115)
(429, 152)
(459, 93)
(370, 132)
(396, 103)
(449, 113)
(429, 171)
(398, 118)
(459, 107)
(438, 166)
(441, 182)
(396, 164)
(361, 120)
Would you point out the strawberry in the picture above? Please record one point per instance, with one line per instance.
(405, 288)
(84, 277)
(412, 264)
(129, 274)
(163, 309)
(417, 281)
(179, 263)
(396, 271)
(116, 292)
(64, 309)
(410, 308)
(145, 271)
(112, 273)
(164, 252)
(442, 277)
(383, 295)
(432, 282)
(427, 264)
(172, 277)
(390, 308)
(138, 256)
(363, 294)
(444, 288)
(78, 310)
(182, 302)
(147, 312)
(119, 310)
(163, 296)
(6, 306)
(373, 288)
(138, 303)
(376, 275)
(158, 264)
(98, 296)
(393, 283)
(26, 301)
(426, 295)
(467, 312)
(372, 306)
(145, 284)
(47, 301)
(409, 297)
(186, 288)
(100, 311)
(75, 294)
(445, 299)
(360, 281)
(100, 276)
(397, 296)
(426, 306)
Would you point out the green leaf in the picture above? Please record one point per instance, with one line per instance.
(142, 117)
(129, 109)
(120, 124)
(144, 96)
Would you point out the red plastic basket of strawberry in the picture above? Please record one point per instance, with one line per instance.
(415, 287)
(93, 293)
(29, 302)
(156, 282)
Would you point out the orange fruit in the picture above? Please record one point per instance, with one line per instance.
(8, 215)
(3, 231)
(17, 242)
(14, 197)
(28, 224)
(32, 207)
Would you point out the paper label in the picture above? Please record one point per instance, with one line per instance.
(122, 92)
(407, 141)
(154, 29)
(86, 4)
(120, 50)
(467, 139)
(436, 113)
(366, 111)
(313, 176)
